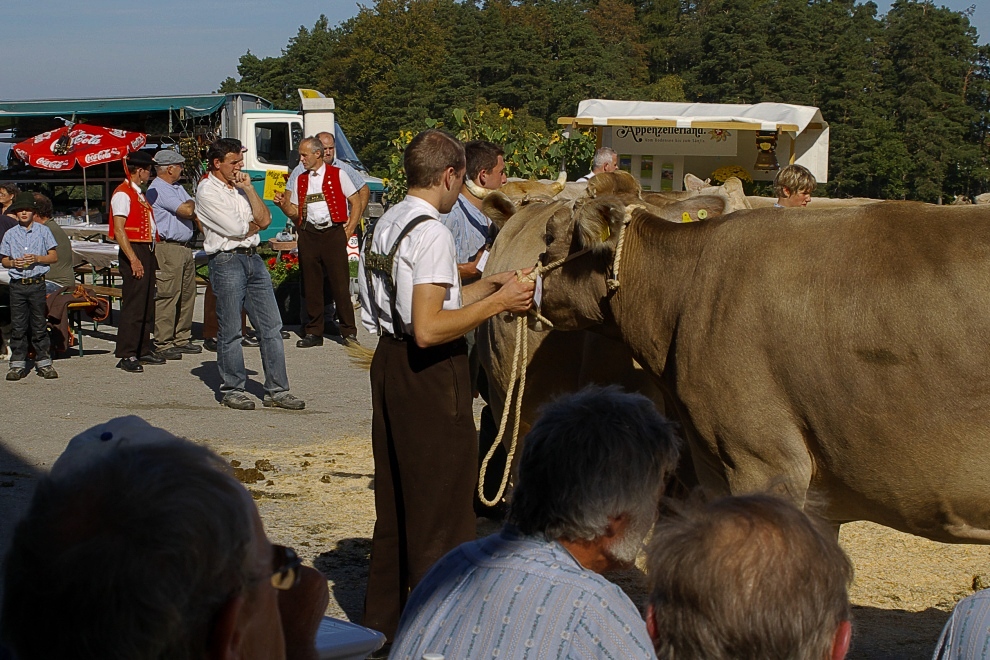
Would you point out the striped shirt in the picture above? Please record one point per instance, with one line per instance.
(469, 227)
(966, 635)
(18, 241)
(515, 596)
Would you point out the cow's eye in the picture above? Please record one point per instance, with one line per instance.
(548, 239)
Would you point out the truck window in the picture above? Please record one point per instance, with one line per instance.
(272, 141)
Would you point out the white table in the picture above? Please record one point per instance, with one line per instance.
(86, 231)
(102, 256)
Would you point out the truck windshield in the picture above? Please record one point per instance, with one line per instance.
(345, 151)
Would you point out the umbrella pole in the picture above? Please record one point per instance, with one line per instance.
(85, 195)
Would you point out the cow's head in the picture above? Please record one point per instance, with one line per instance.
(576, 294)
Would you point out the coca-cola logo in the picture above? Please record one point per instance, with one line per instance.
(101, 155)
(42, 137)
(81, 137)
(52, 164)
(137, 142)
(117, 133)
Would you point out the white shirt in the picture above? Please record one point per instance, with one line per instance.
(120, 204)
(425, 256)
(225, 213)
(318, 213)
(585, 178)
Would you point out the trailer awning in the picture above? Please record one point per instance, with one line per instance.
(194, 106)
(759, 117)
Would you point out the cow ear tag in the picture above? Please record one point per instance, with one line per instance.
(685, 217)
(538, 291)
(702, 214)
(606, 233)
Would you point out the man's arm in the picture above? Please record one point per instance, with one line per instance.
(470, 270)
(262, 217)
(434, 325)
(357, 209)
(125, 246)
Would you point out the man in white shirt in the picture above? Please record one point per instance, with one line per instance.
(231, 214)
(606, 160)
(423, 437)
(325, 205)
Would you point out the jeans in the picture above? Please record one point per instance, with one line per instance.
(242, 281)
(28, 315)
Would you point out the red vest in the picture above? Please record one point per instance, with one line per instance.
(138, 223)
(332, 193)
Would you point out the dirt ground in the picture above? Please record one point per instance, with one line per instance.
(311, 474)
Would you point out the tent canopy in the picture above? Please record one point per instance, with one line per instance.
(762, 116)
(205, 104)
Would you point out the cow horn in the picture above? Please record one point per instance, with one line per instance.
(558, 185)
(477, 190)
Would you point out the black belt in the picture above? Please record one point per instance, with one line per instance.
(242, 250)
(182, 243)
(28, 280)
(320, 230)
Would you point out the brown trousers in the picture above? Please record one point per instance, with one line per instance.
(137, 305)
(319, 251)
(426, 456)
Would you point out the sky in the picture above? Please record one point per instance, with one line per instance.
(96, 48)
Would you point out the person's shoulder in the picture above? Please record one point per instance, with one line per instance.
(44, 230)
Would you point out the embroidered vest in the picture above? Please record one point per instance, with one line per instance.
(138, 223)
(331, 194)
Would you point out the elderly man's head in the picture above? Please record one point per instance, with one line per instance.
(748, 577)
(143, 546)
(592, 473)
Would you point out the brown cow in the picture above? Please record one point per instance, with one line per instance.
(843, 351)
(560, 362)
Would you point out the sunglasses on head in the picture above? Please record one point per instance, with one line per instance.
(285, 567)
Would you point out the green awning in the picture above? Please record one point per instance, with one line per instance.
(194, 106)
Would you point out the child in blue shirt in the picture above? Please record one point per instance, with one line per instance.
(27, 250)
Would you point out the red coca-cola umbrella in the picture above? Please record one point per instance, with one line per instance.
(78, 144)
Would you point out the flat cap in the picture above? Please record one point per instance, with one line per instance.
(169, 157)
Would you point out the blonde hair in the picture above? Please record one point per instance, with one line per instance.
(796, 178)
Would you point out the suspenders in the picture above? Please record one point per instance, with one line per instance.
(375, 262)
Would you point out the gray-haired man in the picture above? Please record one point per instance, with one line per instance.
(590, 479)
(175, 213)
(605, 160)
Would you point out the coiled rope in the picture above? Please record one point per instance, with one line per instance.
(521, 353)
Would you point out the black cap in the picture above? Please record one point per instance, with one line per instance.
(23, 202)
(140, 159)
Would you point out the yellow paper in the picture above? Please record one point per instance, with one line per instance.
(275, 181)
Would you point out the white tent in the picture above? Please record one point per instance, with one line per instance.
(655, 125)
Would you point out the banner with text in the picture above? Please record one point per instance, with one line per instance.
(671, 141)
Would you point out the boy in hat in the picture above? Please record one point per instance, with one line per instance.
(27, 250)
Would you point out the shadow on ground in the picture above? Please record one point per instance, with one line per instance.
(876, 631)
(346, 567)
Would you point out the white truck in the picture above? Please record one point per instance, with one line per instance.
(191, 122)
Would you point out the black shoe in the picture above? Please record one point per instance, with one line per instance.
(130, 364)
(250, 342)
(351, 340)
(309, 341)
(170, 353)
(152, 358)
(190, 348)
(210, 344)
(285, 334)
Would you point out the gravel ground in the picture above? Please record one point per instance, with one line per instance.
(311, 473)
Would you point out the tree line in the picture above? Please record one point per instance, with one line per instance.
(907, 95)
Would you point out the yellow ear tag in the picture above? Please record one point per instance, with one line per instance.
(685, 217)
(702, 214)
(606, 233)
